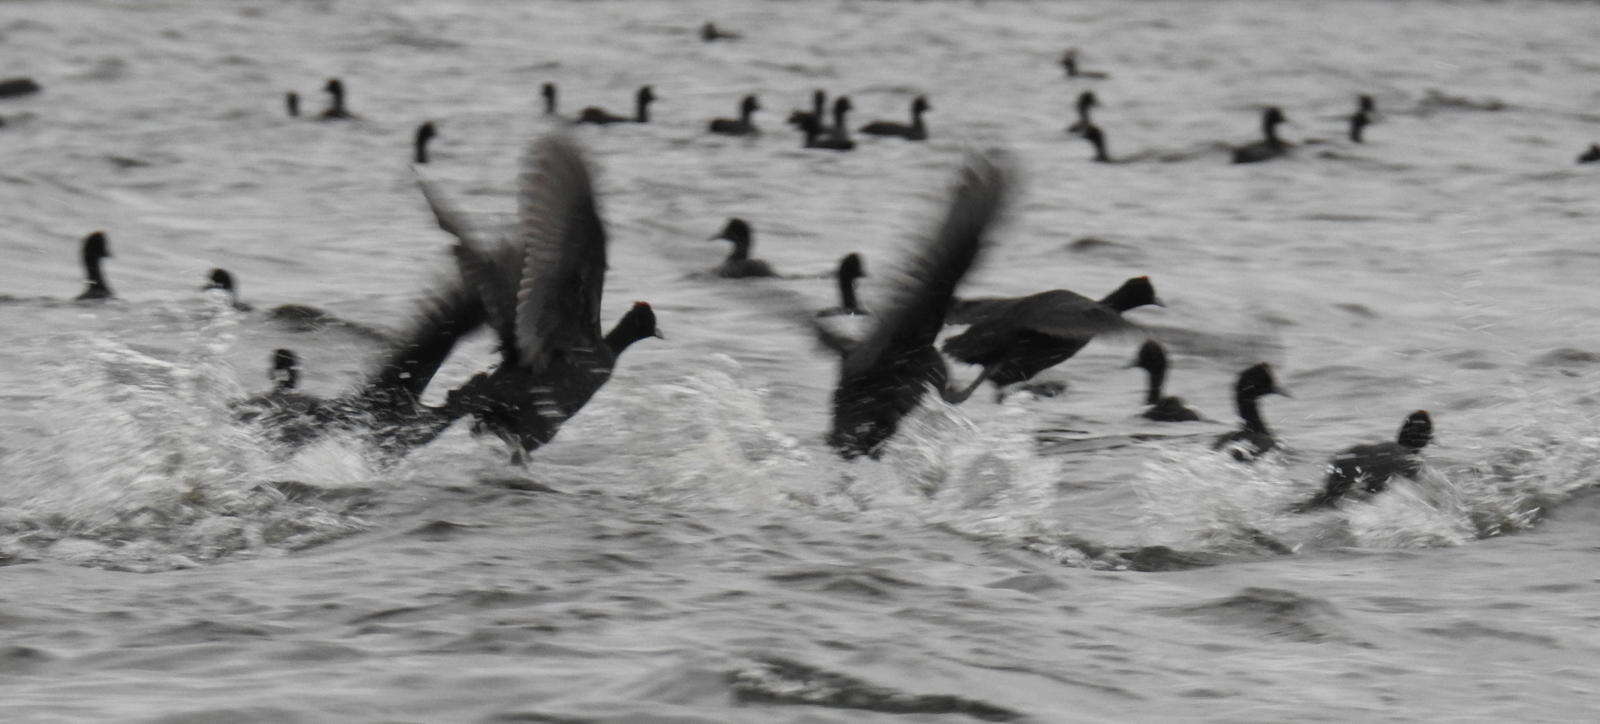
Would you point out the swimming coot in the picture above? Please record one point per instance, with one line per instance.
(741, 126)
(1365, 470)
(916, 131)
(1253, 439)
(1269, 147)
(641, 113)
(221, 280)
(739, 265)
(335, 110)
(95, 248)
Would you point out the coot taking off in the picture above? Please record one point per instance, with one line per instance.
(1253, 439)
(1269, 147)
(221, 280)
(1366, 469)
(741, 126)
(815, 139)
(95, 248)
(291, 102)
(541, 291)
(548, 91)
(425, 133)
(914, 132)
(739, 265)
(886, 375)
(1153, 359)
(641, 110)
(335, 110)
(1591, 155)
(1016, 338)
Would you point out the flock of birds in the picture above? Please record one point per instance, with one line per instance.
(539, 290)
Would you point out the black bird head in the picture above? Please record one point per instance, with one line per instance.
(749, 105)
(1151, 357)
(842, 104)
(334, 86)
(548, 90)
(850, 267)
(291, 100)
(1367, 105)
(736, 231)
(1272, 117)
(646, 94)
(220, 279)
(920, 104)
(95, 247)
(1417, 431)
(1258, 381)
(426, 131)
(285, 369)
(1087, 100)
(1135, 292)
(638, 323)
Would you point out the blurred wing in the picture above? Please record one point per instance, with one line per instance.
(915, 308)
(442, 319)
(564, 253)
(490, 270)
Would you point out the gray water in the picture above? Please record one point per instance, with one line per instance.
(688, 549)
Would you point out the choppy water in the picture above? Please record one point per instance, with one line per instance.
(688, 550)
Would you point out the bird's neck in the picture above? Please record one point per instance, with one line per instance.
(847, 293)
(91, 266)
(1251, 413)
(1270, 129)
(741, 250)
(1158, 377)
(1122, 299)
(337, 109)
(621, 337)
(1100, 150)
(422, 148)
(642, 112)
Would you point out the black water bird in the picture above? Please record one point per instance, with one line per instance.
(425, 133)
(916, 131)
(814, 137)
(291, 102)
(1591, 155)
(541, 292)
(1365, 470)
(741, 126)
(1253, 439)
(840, 129)
(710, 32)
(850, 269)
(819, 106)
(335, 110)
(18, 87)
(1016, 338)
(1087, 101)
(739, 265)
(95, 248)
(285, 372)
(641, 112)
(1069, 63)
(548, 90)
(221, 280)
(885, 376)
(1153, 359)
(1269, 147)
(1097, 138)
(1358, 123)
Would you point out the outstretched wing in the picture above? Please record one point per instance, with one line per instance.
(491, 270)
(564, 254)
(914, 311)
(443, 317)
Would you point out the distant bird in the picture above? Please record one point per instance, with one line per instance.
(285, 373)
(1095, 137)
(95, 248)
(850, 269)
(292, 415)
(1153, 359)
(739, 265)
(335, 110)
(425, 133)
(885, 377)
(1269, 147)
(819, 105)
(548, 90)
(221, 280)
(914, 132)
(1018, 337)
(1087, 101)
(18, 87)
(1366, 470)
(291, 101)
(741, 126)
(541, 291)
(641, 113)
(1591, 155)
(709, 32)
(1069, 63)
(840, 129)
(1253, 439)
(815, 139)
(1365, 108)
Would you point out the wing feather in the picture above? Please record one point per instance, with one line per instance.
(563, 243)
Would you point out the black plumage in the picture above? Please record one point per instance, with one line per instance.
(739, 265)
(603, 117)
(915, 131)
(95, 248)
(1365, 470)
(1253, 439)
(1153, 360)
(1270, 146)
(741, 126)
